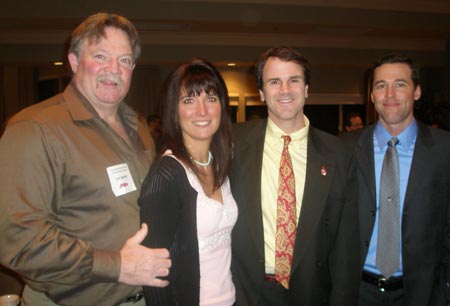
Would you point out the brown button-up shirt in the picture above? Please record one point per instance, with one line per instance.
(61, 224)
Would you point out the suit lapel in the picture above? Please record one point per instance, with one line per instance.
(364, 157)
(365, 171)
(315, 195)
(250, 176)
(419, 165)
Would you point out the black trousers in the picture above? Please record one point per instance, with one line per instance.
(371, 295)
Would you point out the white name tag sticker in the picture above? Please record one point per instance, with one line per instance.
(120, 179)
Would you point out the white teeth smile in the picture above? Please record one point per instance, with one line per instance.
(284, 100)
(201, 123)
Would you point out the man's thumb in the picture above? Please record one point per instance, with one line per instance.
(140, 234)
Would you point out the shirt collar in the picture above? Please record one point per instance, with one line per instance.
(275, 133)
(405, 138)
(79, 107)
(82, 110)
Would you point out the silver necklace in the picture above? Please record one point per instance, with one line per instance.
(210, 158)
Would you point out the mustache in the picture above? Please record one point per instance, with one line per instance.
(113, 78)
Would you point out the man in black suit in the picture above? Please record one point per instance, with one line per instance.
(324, 264)
(419, 274)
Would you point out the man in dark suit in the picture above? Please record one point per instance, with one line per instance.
(324, 259)
(420, 266)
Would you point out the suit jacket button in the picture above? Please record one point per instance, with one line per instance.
(372, 213)
(366, 243)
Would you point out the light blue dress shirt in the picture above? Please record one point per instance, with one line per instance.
(405, 148)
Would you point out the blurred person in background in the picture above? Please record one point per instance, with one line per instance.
(155, 126)
(353, 121)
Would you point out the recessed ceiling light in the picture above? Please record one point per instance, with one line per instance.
(58, 63)
(231, 64)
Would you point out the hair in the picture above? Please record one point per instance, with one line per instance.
(285, 54)
(92, 29)
(193, 78)
(349, 116)
(395, 58)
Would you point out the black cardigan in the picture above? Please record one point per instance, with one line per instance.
(168, 206)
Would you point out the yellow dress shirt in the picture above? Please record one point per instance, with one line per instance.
(273, 146)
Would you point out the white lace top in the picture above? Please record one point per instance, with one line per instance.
(214, 224)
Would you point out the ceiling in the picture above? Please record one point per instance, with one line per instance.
(328, 32)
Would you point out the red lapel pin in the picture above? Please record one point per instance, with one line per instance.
(323, 171)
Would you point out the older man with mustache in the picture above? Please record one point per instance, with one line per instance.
(73, 167)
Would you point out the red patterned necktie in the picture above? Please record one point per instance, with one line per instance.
(286, 228)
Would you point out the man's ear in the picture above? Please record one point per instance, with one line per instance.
(261, 96)
(73, 61)
(306, 91)
(417, 93)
